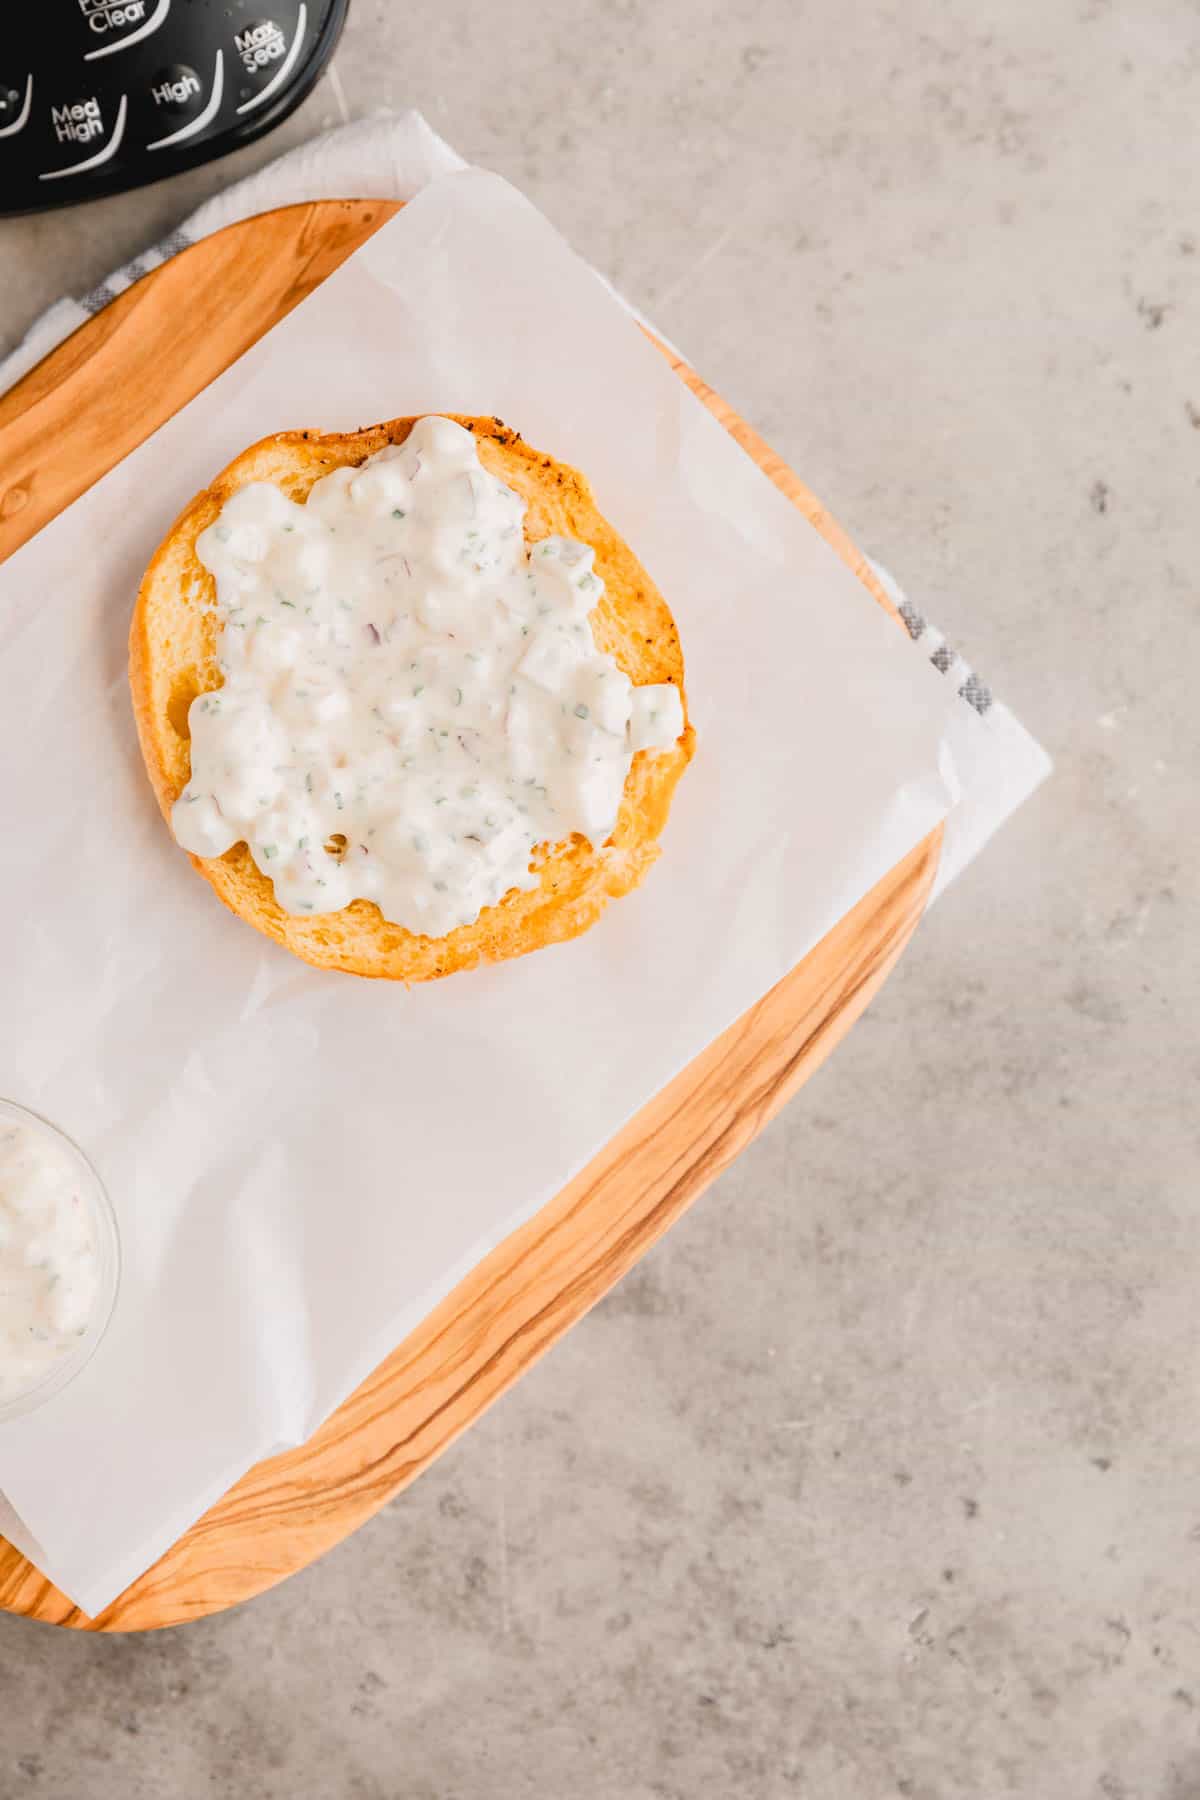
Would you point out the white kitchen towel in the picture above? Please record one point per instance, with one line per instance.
(390, 158)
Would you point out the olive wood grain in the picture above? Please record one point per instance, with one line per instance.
(66, 424)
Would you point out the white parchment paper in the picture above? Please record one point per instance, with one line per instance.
(303, 1163)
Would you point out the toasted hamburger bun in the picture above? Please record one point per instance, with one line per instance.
(172, 659)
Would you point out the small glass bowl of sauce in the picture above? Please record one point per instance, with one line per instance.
(60, 1260)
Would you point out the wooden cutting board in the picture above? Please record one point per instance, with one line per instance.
(64, 426)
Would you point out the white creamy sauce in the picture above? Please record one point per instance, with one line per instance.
(49, 1256)
(412, 701)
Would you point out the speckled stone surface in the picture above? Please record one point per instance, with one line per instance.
(881, 1476)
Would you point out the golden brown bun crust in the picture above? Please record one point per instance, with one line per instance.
(172, 659)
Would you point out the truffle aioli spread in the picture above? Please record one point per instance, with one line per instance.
(50, 1262)
(412, 701)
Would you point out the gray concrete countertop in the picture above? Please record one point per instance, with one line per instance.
(881, 1476)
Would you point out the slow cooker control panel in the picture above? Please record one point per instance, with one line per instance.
(101, 95)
